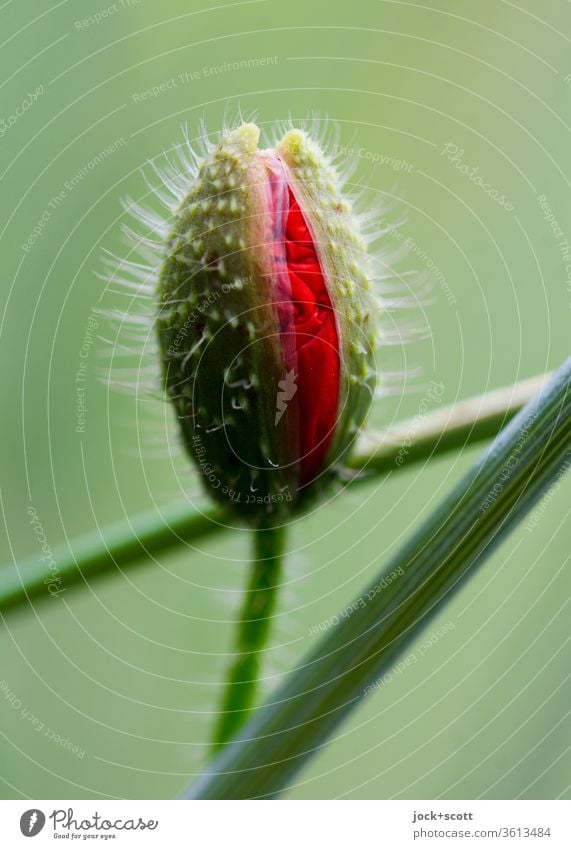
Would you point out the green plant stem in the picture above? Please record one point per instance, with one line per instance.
(253, 631)
(460, 534)
(446, 429)
(109, 549)
(128, 543)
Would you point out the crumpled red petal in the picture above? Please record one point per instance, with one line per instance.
(315, 358)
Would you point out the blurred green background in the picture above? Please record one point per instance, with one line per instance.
(129, 670)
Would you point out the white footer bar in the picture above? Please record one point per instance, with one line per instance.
(288, 824)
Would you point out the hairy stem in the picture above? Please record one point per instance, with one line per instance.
(253, 629)
(128, 543)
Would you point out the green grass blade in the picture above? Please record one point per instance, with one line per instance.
(524, 459)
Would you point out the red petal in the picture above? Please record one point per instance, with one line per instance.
(315, 358)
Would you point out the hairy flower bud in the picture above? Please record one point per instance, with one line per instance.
(266, 324)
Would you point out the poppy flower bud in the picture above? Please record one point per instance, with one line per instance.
(266, 325)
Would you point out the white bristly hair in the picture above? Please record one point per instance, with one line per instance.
(131, 282)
